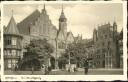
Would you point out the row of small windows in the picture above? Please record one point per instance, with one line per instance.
(105, 36)
(97, 63)
(12, 52)
(11, 41)
(11, 63)
(108, 61)
(97, 56)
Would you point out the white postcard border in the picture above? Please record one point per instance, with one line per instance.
(68, 77)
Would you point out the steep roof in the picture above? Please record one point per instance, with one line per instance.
(60, 35)
(11, 27)
(68, 33)
(23, 26)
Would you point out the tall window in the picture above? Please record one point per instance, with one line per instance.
(8, 40)
(9, 64)
(5, 52)
(14, 40)
(18, 53)
(13, 63)
(8, 52)
(13, 52)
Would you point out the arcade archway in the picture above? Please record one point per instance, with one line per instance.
(52, 61)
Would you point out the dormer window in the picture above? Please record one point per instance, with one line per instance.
(14, 40)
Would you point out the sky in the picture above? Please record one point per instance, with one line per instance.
(81, 18)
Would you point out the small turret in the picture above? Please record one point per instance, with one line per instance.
(62, 16)
(114, 31)
(12, 43)
(44, 9)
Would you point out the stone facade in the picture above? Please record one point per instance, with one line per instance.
(37, 26)
(106, 46)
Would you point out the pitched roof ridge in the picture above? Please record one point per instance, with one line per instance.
(31, 14)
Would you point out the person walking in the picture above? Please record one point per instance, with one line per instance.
(49, 69)
(86, 66)
(46, 70)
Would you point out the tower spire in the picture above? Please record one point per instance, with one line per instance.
(12, 12)
(62, 8)
(114, 18)
(114, 22)
(44, 6)
(62, 16)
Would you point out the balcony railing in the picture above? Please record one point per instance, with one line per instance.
(11, 56)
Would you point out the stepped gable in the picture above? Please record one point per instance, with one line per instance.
(11, 28)
(24, 26)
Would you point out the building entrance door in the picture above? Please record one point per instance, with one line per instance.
(103, 64)
(52, 61)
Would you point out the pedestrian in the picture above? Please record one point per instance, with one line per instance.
(16, 67)
(86, 67)
(43, 68)
(46, 70)
(32, 70)
(49, 69)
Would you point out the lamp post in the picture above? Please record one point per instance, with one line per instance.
(56, 65)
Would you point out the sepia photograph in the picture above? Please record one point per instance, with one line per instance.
(63, 38)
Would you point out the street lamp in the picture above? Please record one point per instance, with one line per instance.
(56, 55)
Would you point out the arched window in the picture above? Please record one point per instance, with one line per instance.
(61, 45)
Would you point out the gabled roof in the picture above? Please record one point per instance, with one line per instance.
(12, 27)
(60, 35)
(69, 34)
(24, 25)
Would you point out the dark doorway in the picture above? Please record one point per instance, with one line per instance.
(103, 64)
(52, 61)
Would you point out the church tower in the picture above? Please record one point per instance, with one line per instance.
(63, 23)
